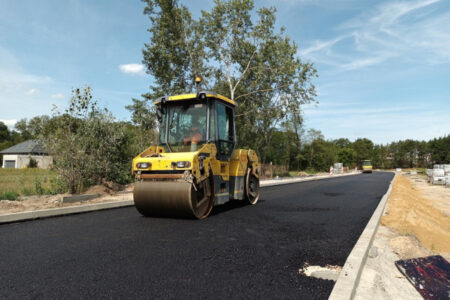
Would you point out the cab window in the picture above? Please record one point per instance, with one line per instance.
(212, 123)
(225, 128)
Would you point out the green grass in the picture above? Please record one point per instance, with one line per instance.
(9, 196)
(293, 173)
(25, 182)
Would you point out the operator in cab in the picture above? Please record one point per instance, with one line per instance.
(195, 136)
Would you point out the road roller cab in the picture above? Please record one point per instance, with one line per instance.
(195, 164)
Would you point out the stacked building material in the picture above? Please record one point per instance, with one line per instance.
(438, 176)
(338, 168)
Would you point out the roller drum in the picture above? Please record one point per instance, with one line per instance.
(169, 199)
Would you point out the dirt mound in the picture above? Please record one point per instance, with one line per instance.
(107, 188)
(302, 174)
(7, 204)
(410, 213)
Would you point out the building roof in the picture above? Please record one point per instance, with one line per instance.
(27, 147)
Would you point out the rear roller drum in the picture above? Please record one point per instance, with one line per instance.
(251, 187)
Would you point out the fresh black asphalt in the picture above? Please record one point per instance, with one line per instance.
(237, 252)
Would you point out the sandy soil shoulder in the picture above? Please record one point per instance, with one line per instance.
(415, 224)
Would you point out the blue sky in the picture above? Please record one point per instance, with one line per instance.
(384, 66)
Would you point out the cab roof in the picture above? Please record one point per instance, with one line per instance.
(193, 96)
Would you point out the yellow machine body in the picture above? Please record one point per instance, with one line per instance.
(367, 166)
(189, 183)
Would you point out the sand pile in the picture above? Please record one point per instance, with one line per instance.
(410, 213)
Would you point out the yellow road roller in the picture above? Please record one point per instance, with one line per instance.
(196, 164)
(366, 166)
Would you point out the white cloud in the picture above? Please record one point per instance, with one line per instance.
(319, 45)
(9, 123)
(32, 92)
(134, 69)
(58, 96)
(408, 31)
(364, 62)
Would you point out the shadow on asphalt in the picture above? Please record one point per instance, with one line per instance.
(230, 205)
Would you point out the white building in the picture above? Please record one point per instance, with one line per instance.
(19, 156)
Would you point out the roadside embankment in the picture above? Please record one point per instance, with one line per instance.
(420, 210)
(415, 224)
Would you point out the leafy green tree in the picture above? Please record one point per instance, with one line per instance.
(175, 53)
(30, 129)
(6, 139)
(87, 144)
(4, 132)
(346, 156)
(247, 61)
(342, 143)
(440, 150)
(143, 117)
(257, 67)
(21, 127)
(363, 149)
(320, 154)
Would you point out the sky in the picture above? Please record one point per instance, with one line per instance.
(384, 66)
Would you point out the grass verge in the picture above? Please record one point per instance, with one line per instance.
(25, 182)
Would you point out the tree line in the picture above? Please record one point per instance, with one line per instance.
(89, 141)
(317, 153)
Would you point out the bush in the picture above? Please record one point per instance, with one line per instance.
(9, 196)
(57, 186)
(88, 145)
(39, 190)
(33, 163)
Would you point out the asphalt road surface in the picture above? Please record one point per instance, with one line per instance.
(237, 252)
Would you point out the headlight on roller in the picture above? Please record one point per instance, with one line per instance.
(144, 165)
(182, 164)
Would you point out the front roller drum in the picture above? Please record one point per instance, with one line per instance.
(172, 199)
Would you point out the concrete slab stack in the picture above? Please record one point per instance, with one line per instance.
(438, 177)
(338, 168)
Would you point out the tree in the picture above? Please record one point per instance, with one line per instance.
(4, 133)
(249, 62)
(258, 68)
(5, 136)
(311, 136)
(30, 129)
(342, 143)
(87, 145)
(143, 117)
(363, 149)
(346, 156)
(440, 150)
(175, 52)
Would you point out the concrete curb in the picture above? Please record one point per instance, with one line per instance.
(348, 280)
(53, 212)
(272, 182)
